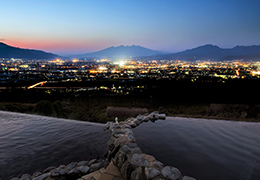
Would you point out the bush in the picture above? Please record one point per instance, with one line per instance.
(58, 109)
(44, 108)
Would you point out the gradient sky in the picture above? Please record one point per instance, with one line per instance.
(80, 26)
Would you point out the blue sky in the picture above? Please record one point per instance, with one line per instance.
(80, 26)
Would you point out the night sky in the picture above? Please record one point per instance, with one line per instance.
(80, 26)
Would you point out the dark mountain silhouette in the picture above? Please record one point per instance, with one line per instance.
(214, 53)
(120, 52)
(7, 51)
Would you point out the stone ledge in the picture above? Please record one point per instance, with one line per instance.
(128, 157)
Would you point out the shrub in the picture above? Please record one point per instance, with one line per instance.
(44, 108)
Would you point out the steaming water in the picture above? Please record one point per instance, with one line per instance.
(30, 143)
(204, 149)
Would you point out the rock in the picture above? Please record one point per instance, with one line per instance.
(83, 169)
(74, 172)
(126, 170)
(48, 169)
(151, 172)
(128, 131)
(83, 163)
(148, 157)
(137, 174)
(137, 122)
(117, 133)
(146, 119)
(127, 126)
(62, 167)
(120, 158)
(137, 160)
(130, 138)
(188, 178)
(71, 165)
(132, 124)
(131, 145)
(95, 166)
(26, 177)
(42, 177)
(157, 165)
(162, 116)
(154, 116)
(136, 150)
(171, 173)
(92, 162)
(36, 174)
(111, 144)
(126, 149)
(108, 124)
(140, 117)
(120, 141)
(58, 172)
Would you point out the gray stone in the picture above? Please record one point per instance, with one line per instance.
(83, 169)
(74, 172)
(157, 165)
(117, 133)
(171, 173)
(58, 172)
(154, 116)
(91, 162)
(126, 149)
(83, 163)
(188, 178)
(137, 174)
(162, 116)
(120, 158)
(26, 177)
(95, 166)
(128, 131)
(137, 122)
(140, 117)
(132, 124)
(48, 169)
(148, 157)
(130, 138)
(62, 167)
(71, 165)
(111, 144)
(131, 145)
(136, 150)
(127, 126)
(146, 119)
(36, 174)
(42, 177)
(126, 170)
(151, 172)
(138, 160)
(108, 124)
(120, 141)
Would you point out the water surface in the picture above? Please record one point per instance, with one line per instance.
(202, 148)
(30, 143)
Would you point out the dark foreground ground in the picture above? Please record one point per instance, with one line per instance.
(234, 99)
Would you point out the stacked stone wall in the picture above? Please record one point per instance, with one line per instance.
(128, 157)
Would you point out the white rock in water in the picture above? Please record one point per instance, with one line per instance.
(162, 116)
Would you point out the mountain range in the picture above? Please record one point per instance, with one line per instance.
(7, 51)
(205, 52)
(214, 53)
(120, 52)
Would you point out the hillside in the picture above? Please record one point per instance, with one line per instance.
(214, 53)
(120, 52)
(7, 51)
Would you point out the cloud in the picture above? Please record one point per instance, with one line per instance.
(2, 39)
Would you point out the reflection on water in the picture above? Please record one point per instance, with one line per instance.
(30, 143)
(204, 149)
